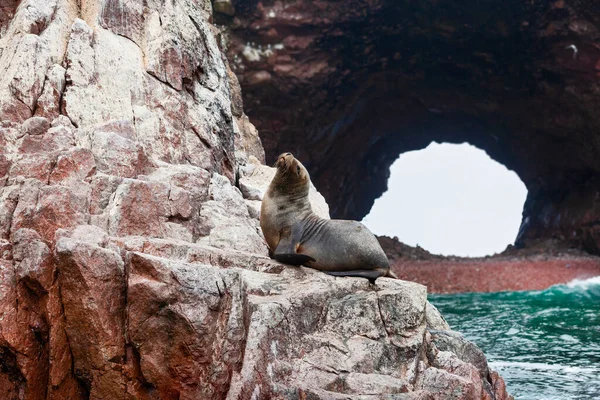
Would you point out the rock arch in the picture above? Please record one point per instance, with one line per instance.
(350, 86)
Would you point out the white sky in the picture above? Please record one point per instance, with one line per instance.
(450, 199)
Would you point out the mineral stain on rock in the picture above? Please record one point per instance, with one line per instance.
(131, 264)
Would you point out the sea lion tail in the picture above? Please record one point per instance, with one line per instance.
(391, 274)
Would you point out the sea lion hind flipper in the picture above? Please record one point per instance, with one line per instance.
(391, 274)
(370, 274)
(293, 258)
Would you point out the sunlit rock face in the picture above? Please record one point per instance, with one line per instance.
(132, 266)
(348, 86)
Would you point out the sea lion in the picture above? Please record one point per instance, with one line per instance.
(295, 235)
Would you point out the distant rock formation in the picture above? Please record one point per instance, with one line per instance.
(348, 86)
(131, 265)
(511, 270)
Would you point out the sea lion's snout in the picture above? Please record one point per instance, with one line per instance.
(284, 160)
(291, 169)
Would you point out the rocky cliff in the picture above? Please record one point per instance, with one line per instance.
(350, 85)
(131, 261)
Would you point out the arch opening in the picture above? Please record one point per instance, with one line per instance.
(450, 199)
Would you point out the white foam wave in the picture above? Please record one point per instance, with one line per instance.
(584, 283)
(543, 367)
(569, 338)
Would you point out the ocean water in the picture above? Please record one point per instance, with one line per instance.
(546, 344)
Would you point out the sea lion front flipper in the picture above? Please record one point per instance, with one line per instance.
(370, 274)
(293, 259)
(286, 249)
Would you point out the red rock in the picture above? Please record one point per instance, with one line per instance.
(124, 18)
(138, 209)
(31, 167)
(48, 208)
(450, 363)
(103, 186)
(23, 335)
(76, 164)
(56, 138)
(496, 274)
(257, 78)
(36, 126)
(5, 250)
(237, 105)
(4, 168)
(48, 104)
(8, 202)
(116, 151)
(13, 381)
(444, 385)
(190, 361)
(92, 285)
(248, 139)
(62, 384)
(14, 110)
(498, 386)
(526, 269)
(7, 11)
(33, 261)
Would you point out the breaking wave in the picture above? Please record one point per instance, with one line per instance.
(546, 344)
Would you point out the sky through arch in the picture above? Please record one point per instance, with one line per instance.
(450, 199)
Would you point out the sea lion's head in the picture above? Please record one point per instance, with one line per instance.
(291, 171)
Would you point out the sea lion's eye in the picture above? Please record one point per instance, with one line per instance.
(298, 169)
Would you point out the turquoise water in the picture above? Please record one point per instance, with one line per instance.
(546, 344)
